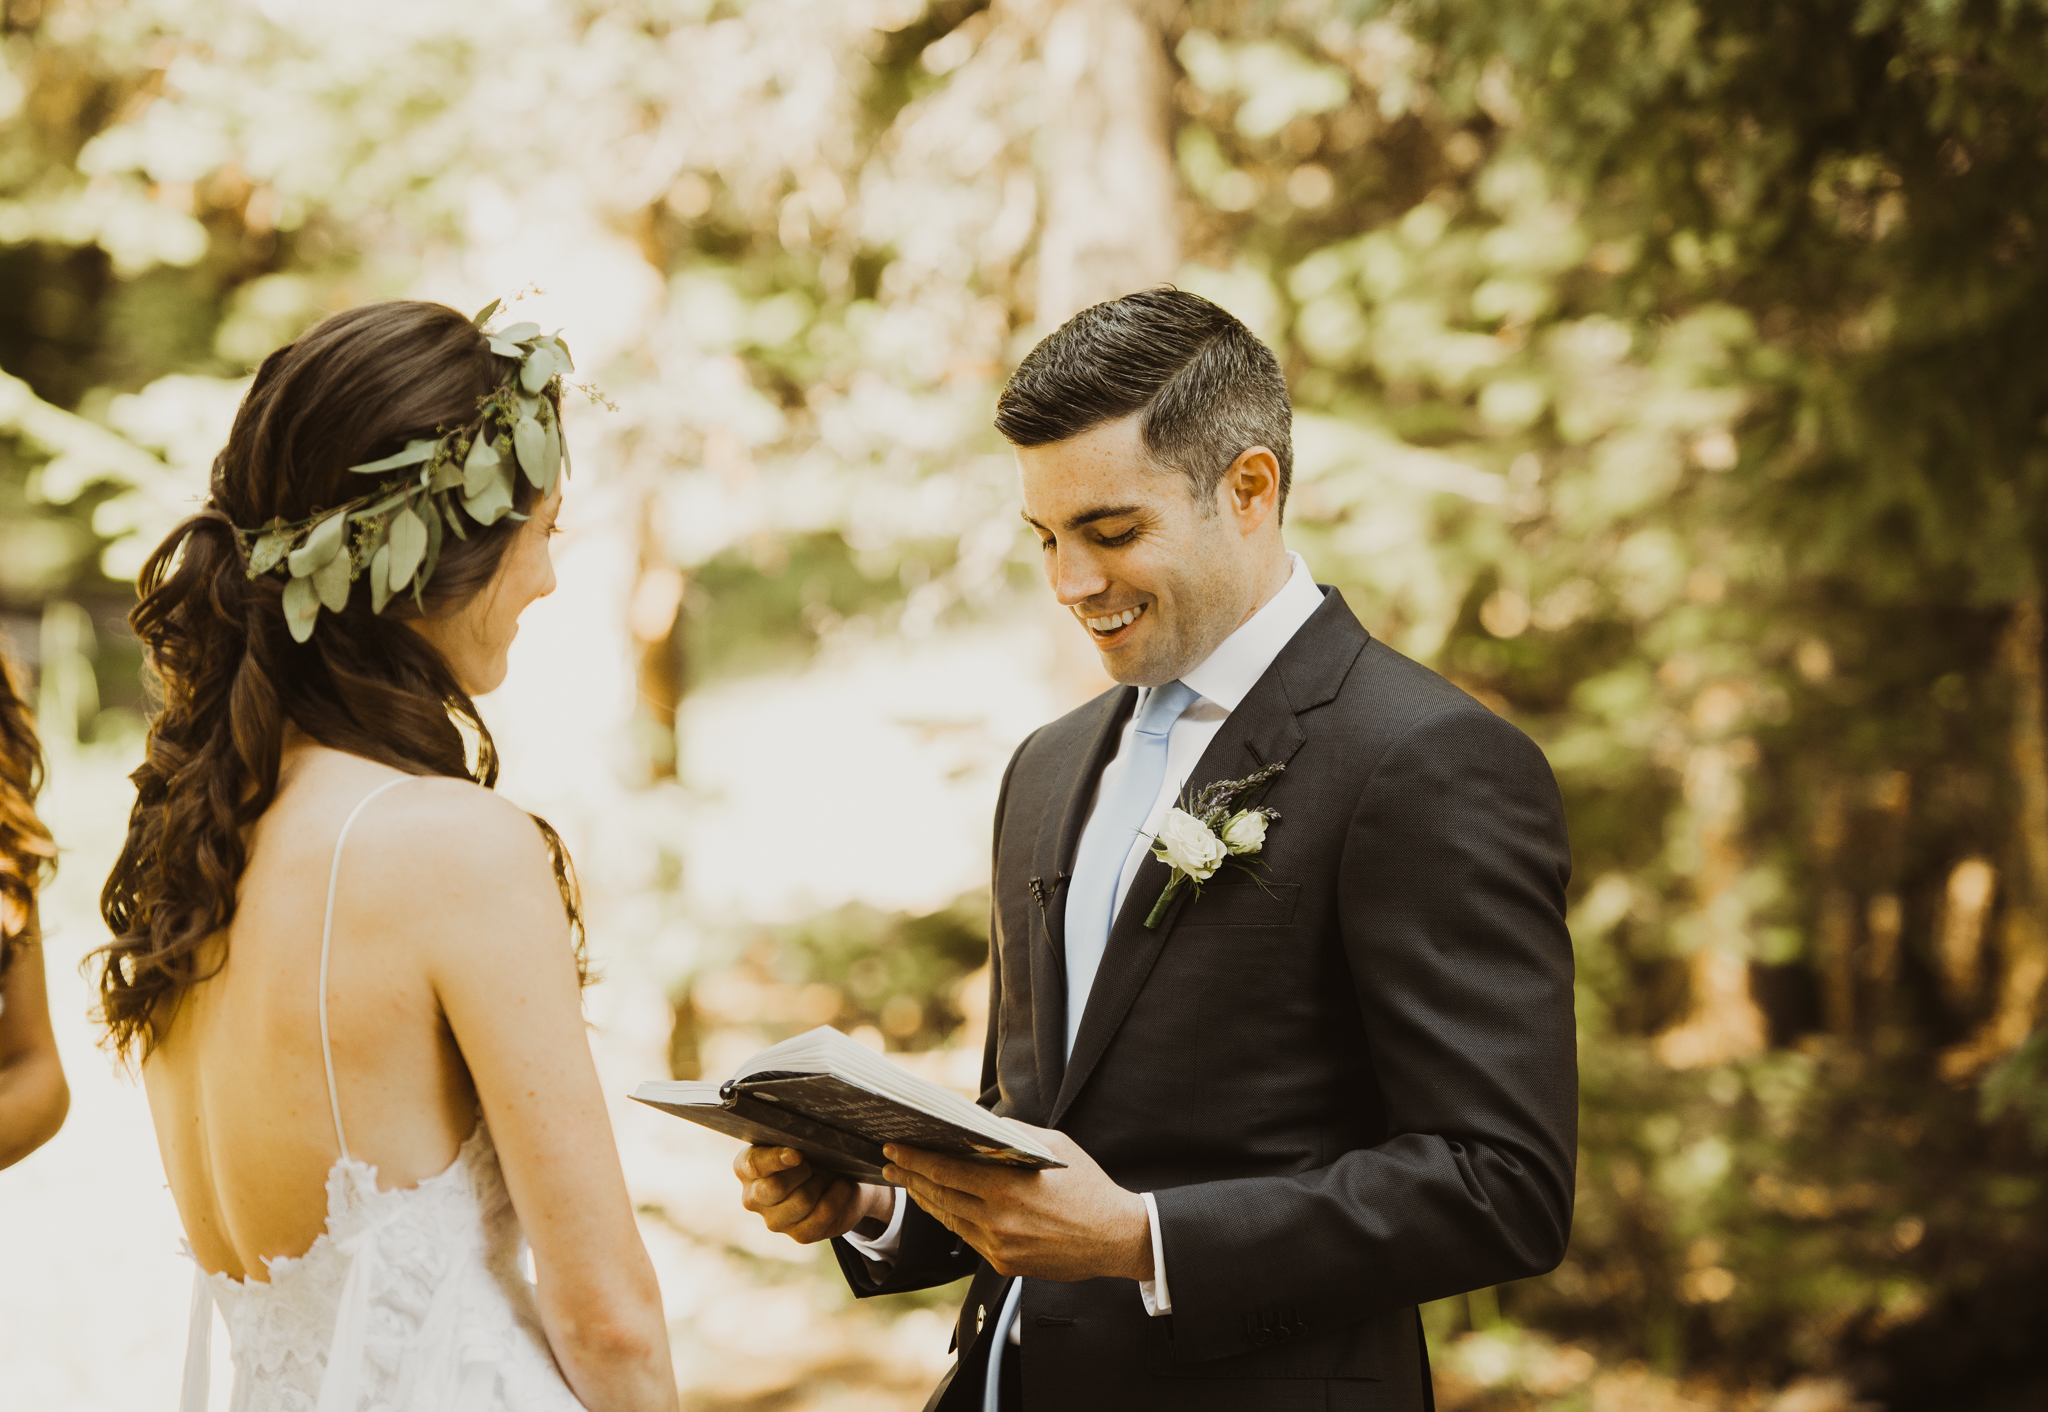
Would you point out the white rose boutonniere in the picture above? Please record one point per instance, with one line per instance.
(1205, 833)
(1246, 831)
(1186, 843)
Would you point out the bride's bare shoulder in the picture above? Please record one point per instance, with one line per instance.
(435, 832)
(427, 837)
(460, 880)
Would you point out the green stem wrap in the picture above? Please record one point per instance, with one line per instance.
(1166, 895)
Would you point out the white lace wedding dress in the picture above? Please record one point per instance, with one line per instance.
(409, 1301)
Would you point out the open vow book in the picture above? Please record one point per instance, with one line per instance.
(837, 1101)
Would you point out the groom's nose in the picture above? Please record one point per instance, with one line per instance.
(1076, 576)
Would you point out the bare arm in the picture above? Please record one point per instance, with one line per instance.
(33, 1094)
(502, 968)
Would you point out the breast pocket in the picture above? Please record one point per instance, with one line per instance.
(1246, 904)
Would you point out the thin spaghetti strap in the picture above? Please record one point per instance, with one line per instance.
(327, 939)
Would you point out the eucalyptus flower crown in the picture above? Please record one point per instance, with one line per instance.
(394, 532)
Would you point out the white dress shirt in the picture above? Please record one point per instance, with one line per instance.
(1223, 680)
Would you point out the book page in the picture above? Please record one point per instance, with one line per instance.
(876, 1118)
(826, 1050)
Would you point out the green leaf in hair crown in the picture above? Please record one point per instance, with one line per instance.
(392, 534)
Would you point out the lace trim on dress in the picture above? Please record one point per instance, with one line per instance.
(414, 1296)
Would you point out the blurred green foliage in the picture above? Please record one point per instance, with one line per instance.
(898, 972)
(768, 605)
(2020, 1085)
(1667, 373)
(913, 978)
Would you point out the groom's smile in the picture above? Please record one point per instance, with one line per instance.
(1110, 626)
(1155, 577)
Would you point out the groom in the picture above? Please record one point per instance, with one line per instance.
(1312, 1096)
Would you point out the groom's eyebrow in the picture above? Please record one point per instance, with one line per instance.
(1090, 516)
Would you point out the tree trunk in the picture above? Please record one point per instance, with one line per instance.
(2024, 937)
(658, 671)
(2023, 932)
(1725, 1022)
(1834, 931)
(1835, 944)
(1959, 938)
(1105, 157)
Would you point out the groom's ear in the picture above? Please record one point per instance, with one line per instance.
(1250, 489)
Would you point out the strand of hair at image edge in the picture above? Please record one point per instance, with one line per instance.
(394, 532)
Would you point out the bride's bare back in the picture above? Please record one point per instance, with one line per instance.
(452, 994)
(237, 1089)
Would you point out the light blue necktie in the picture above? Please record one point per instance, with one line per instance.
(1119, 815)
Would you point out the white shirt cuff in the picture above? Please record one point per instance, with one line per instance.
(1158, 1300)
(882, 1249)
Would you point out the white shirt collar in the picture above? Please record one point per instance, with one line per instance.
(1234, 668)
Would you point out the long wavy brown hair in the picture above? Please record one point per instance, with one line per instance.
(354, 388)
(26, 852)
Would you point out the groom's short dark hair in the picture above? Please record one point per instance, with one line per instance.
(1207, 388)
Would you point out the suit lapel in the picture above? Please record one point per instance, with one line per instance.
(1263, 730)
(1053, 867)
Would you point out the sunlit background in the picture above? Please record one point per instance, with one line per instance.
(1669, 375)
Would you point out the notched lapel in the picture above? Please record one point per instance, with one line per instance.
(1052, 868)
(1262, 731)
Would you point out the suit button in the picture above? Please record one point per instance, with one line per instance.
(980, 1316)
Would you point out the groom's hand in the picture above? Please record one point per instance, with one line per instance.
(1070, 1223)
(804, 1203)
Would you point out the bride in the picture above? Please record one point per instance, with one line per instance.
(340, 959)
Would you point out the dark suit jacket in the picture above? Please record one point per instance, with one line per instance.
(1353, 1088)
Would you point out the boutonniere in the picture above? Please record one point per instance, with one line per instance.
(1202, 834)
